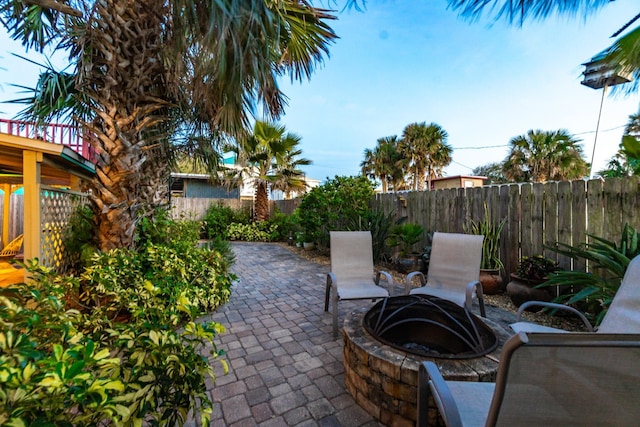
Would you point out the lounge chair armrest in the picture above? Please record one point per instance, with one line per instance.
(387, 277)
(331, 278)
(332, 282)
(409, 279)
(476, 286)
(554, 305)
(430, 380)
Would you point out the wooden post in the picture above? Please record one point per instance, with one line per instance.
(31, 168)
(6, 188)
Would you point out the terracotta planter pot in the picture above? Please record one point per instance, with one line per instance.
(491, 281)
(521, 290)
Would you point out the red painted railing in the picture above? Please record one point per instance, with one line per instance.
(68, 135)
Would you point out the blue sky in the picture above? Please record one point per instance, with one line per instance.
(405, 61)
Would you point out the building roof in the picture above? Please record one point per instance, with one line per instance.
(459, 177)
(58, 161)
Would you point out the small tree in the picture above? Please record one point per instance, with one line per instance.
(269, 157)
(336, 205)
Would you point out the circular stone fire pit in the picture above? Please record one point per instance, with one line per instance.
(382, 373)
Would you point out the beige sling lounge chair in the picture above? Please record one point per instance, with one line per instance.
(545, 379)
(454, 269)
(351, 275)
(622, 316)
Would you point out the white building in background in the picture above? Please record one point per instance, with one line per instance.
(279, 195)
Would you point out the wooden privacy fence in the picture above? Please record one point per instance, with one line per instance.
(196, 208)
(536, 214)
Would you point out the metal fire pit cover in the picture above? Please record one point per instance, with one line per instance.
(428, 326)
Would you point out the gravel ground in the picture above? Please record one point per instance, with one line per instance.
(501, 300)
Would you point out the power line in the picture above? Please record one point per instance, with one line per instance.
(480, 148)
(606, 130)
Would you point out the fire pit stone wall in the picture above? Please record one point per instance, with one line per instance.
(383, 381)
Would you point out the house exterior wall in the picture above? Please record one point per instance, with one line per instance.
(458, 181)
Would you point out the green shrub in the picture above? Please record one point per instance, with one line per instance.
(57, 368)
(242, 216)
(102, 348)
(216, 220)
(261, 231)
(78, 237)
(284, 226)
(159, 228)
(335, 205)
(152, 284)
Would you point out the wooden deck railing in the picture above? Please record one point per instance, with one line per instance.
(68, 135)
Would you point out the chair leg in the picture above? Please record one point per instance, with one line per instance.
(481, 303)
(335, 314)
(327, 294)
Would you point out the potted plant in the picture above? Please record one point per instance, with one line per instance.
(490, 264)
(530, 272)
(308, 240)
(405, 236)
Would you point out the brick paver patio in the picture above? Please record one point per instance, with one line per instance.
(285, 368)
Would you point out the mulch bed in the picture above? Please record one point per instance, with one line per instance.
(502, 301)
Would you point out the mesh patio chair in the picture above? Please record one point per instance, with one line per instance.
(351, 275)
(13, 248)
(454, 269)
(545, 379)
(622, 316)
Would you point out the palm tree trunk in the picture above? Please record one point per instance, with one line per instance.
(121, 70)
(262, 202)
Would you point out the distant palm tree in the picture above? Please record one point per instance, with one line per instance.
(268, 157)
(385, 163)
(633, 126)
(541, 156)
(427, 150)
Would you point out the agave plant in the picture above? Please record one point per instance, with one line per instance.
(491, 243)
(593, 291)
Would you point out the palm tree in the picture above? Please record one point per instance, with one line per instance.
(386, 163)
(623, 54)
(268, 157)
(290, 178)
(541, 156)
(427, 149)
(626, 161)
(149, 70)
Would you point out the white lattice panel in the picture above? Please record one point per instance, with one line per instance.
(56, 207)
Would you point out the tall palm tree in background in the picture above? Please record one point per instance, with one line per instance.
(151, 71)
(268, 157)
(624, 53)
(386, 163)
(541, 156)
(427, 150)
